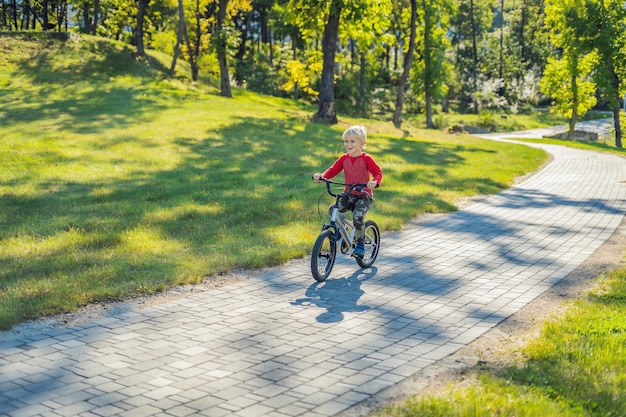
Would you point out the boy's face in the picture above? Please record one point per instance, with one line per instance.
(354, 146)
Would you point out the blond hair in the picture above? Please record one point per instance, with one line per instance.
(356, 132)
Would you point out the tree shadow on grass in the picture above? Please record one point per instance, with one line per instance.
(56, 89)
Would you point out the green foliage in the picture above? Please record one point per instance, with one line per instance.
(487, 120)
(433, 69)
(469, 28)
(568, 82)
(567, 78)
(298, 78)
(605, 35)
(301, 74)
(261, 76)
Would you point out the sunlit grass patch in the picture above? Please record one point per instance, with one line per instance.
(490, 398)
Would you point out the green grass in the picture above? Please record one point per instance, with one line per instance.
(577, 367)
(117, 181)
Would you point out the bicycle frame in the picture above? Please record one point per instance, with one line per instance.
(344, 229)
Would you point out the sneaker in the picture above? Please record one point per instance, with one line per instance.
(359, 250)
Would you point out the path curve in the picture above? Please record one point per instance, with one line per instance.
(280, 344)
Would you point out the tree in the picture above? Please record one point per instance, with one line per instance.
(365, 40)
(312, 15)
(604, 32)
(568, 81)
(408, 63)
(142, 5)
(221, 44)
(567, 78)
(436, 14)
(327, 111)
(181, 36)
(468, 29)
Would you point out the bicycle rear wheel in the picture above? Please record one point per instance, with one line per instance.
(372, 244)
(323, 255)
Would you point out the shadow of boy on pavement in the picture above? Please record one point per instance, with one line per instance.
(337, 296)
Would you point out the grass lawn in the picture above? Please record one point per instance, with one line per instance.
(116, 180)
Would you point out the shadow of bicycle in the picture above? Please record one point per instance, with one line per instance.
(337, 296)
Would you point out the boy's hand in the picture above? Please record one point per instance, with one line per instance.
(317, 177)
(372, 184)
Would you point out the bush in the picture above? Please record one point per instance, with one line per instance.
(487, 121)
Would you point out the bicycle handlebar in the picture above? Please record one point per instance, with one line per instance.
(350, 187)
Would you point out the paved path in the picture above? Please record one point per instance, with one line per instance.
(282, 345)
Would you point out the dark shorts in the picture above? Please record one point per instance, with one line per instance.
(358, 204)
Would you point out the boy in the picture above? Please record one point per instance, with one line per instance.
(357, 167)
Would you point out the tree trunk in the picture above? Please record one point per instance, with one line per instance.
(618, 127)
(572, 120)
(264, 24)
(45, 16)
(242, 27)
(616, 109)
(294, 43)
(86, 18)
(194, 52)
(428, 70)
(96, 15)
(221, 50)
(3, 15)
(408, 63)
(327, 112)
(141, 12)
(362, 96)
(14, 17)
(474, 68)
(62, 15)
(501, 63)
(25, 17)
(522, 30)
(180, 33)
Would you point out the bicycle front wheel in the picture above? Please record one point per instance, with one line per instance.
(323, 255)
(372, 244)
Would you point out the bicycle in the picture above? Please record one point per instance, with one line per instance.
(340, 233)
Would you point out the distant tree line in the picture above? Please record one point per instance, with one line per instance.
(362, 57)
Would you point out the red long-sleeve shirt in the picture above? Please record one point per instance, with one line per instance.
(358, 169)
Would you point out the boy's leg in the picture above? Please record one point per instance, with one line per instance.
(361, 207)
